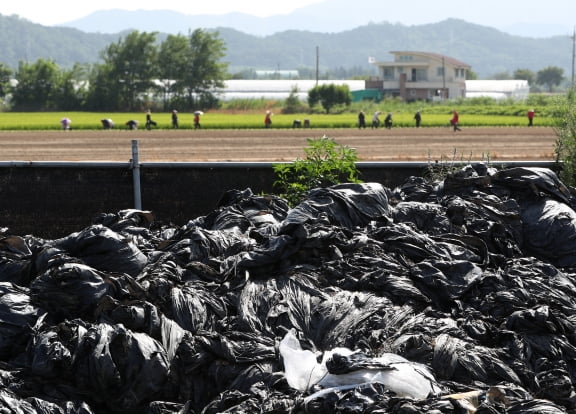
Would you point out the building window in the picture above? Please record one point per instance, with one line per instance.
(460, 73)
(420, 75)
(388, 73)
(405, 58)
(440, 71)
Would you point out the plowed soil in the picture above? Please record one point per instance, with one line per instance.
(255, 145)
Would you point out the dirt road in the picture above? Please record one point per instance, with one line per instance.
(398, 144)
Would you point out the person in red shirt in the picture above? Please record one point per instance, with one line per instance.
(268, 119)
(530, 116)
(455, 120)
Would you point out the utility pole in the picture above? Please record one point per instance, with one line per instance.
(573, 53)
(317, 63)
(443, 79)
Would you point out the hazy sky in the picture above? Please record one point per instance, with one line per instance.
(494, 13)
(58, 11)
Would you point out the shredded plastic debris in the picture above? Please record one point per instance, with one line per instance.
(456, 296)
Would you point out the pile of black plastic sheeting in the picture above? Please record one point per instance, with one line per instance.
(456, 296)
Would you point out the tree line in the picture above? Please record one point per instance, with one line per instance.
(545, 79)
(136, 72)
(139, 72)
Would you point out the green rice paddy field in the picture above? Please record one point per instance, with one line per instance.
(245, 120)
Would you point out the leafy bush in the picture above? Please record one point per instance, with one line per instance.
(329, 96)
(326, 163)
(565, 128)
(292, 104)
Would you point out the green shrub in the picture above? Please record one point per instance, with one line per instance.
(565, 149)
(292, 104)
(327, 163)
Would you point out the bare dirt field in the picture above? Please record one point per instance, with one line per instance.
(253, 145)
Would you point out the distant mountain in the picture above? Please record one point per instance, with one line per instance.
(537, 30)
(328, 16)
(487, 50)
(166, 21)
(22, 40)
(311, 18)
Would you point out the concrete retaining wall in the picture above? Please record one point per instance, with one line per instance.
(52, 200)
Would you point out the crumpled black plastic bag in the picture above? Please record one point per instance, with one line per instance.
(347, 205)
(427, 217)
(536, 406)
(208, 362)
(257, 211)
(15, 255)
(11, 403)
(550, 231)
(125, 220)
(70, 291)
(117, 368)
(533, 182)
(17, 316)
(199, 244)
(103, 249)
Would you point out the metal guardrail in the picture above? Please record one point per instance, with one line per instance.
(232, 164)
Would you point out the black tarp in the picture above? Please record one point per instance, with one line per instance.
(469, 281)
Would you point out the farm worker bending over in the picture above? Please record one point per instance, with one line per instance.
(65, 122)
(388, 121)
(376, 119)
(107, 123)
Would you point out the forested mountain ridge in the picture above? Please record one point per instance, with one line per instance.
(22, 40)
(488, 51)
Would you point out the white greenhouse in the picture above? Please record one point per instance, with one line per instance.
(278, 89)
(498, 89)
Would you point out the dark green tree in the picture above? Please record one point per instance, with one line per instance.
(204, 71)
(102, 92)
(471, 75)
(292, 104)
(5, 75)
(70, 93)
(550, 77)
(172, 63)
(329, 95)
(127, 74)
(502, 76)
(37, 86)
(525, 74)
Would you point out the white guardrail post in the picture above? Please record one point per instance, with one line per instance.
(136, 176)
